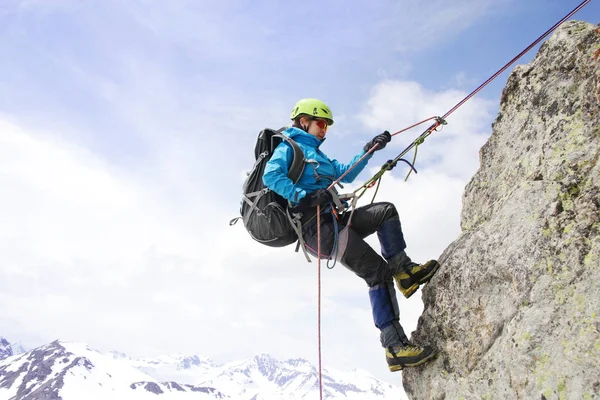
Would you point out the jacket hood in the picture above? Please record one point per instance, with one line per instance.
(302, 137)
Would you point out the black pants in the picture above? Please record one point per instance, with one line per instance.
(358, 255)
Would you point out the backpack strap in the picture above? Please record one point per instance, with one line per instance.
(294, 173)
(298, 161)
(295, 220)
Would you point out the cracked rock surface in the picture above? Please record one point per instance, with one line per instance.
(515, 308)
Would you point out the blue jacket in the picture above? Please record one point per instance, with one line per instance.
(275, 175)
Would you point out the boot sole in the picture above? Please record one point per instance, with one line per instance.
(396, 368)
(411, 290)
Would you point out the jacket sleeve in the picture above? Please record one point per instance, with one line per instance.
(276, 178)
(340, 169)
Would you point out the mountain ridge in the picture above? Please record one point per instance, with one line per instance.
(69, 370)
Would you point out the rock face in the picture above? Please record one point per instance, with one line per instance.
(515, 308)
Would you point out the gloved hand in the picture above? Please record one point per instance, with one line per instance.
(380, 140)
(317, 198)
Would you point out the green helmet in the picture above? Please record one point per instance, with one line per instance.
(313, 107)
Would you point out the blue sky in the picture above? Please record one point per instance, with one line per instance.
(126, 128)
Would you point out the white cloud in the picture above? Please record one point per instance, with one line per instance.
(60, 191)
(463, 80)
(394, 105)
(75, 226)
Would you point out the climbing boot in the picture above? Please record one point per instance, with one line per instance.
(412, 275)
(408, 355)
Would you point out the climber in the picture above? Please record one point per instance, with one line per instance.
(311, 119)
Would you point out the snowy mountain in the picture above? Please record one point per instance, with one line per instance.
(8, 349)
(264, 377)
(73, 371)
(174, 367)
(17, 348)
(5, 349)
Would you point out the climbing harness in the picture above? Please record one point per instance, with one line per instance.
(439, 121)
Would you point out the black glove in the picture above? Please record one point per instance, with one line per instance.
(380, 140)
(317, 198)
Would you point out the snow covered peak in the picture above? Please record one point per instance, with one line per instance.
(265, 364)
(264, 377)
(300, 364)
(179, 360)
(168, 366)
(8, 349)
(17, 348)
(117, 355)
(5, 349)
(195, 361)
(70, 371)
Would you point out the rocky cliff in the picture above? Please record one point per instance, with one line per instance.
(515, 308)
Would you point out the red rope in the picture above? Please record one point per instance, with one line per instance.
(372, 149)
(319, 296)
(412, 126)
